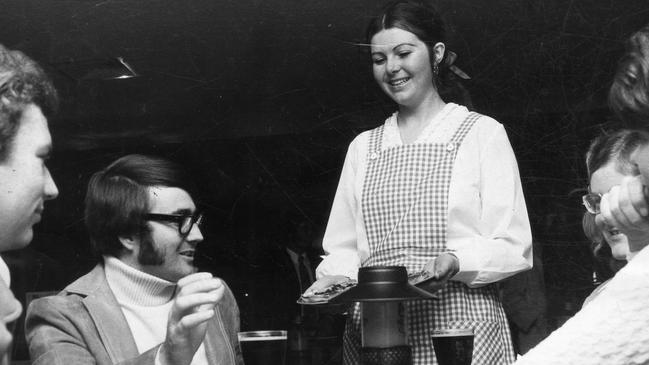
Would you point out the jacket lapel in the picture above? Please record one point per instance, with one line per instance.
(107, 315)
(216, 338)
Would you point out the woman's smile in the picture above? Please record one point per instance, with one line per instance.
(399, 82)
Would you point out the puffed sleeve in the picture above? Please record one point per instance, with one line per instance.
(489, 230)
(340, 239)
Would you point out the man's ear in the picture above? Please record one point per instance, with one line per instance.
(130, 243)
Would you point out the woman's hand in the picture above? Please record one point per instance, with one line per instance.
(323, 283)
(441, 269)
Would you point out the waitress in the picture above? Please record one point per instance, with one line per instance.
(435, 187)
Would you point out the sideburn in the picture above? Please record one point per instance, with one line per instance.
(149, 254)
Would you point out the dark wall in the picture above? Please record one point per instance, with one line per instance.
(259, 99)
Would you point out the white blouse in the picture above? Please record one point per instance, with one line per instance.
(488, 226)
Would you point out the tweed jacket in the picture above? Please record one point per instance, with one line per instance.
(84, 324)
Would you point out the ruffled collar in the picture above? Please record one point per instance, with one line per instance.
(392, 137)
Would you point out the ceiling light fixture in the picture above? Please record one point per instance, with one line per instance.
(115, 68)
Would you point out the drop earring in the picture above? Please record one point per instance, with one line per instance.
(435, 69)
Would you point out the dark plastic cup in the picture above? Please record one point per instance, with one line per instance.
(453, 346)
(263, 347)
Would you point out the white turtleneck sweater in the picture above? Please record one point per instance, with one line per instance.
(145, 301)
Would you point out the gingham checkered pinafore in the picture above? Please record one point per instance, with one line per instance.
(405, 205)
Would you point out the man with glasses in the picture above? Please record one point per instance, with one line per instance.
(144, 303)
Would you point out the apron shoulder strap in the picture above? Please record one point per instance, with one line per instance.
(376, 137)
(465, 127)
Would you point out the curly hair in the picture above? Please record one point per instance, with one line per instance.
(22, 82)
(629, 94)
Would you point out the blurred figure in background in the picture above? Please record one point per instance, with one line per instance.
(27, 100)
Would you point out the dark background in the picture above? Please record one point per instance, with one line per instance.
(259, 99)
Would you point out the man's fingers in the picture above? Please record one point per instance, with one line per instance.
(199, 286)
(192, 320)
(194, 277)
(196, 299)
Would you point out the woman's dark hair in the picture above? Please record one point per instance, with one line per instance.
(422, 19)
(615, 147)
(118, 198)
(22, 82)
(629, 94)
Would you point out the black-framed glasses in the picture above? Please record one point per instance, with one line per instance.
(185, 222)
(591, 201)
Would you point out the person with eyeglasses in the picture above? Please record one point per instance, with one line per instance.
(611, 328)
(145, 302)
(627, 205)
(608, 162)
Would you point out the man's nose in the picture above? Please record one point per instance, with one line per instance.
(50, 190)
(195, 234)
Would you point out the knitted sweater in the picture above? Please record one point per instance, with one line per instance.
(612, 329)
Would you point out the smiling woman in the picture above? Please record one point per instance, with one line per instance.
(434, 188)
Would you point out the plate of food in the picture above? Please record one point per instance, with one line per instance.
(327, 294)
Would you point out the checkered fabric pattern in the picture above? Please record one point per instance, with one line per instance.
(405, 205)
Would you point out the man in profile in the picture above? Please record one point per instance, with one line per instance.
(144, 303)
(27, 99)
